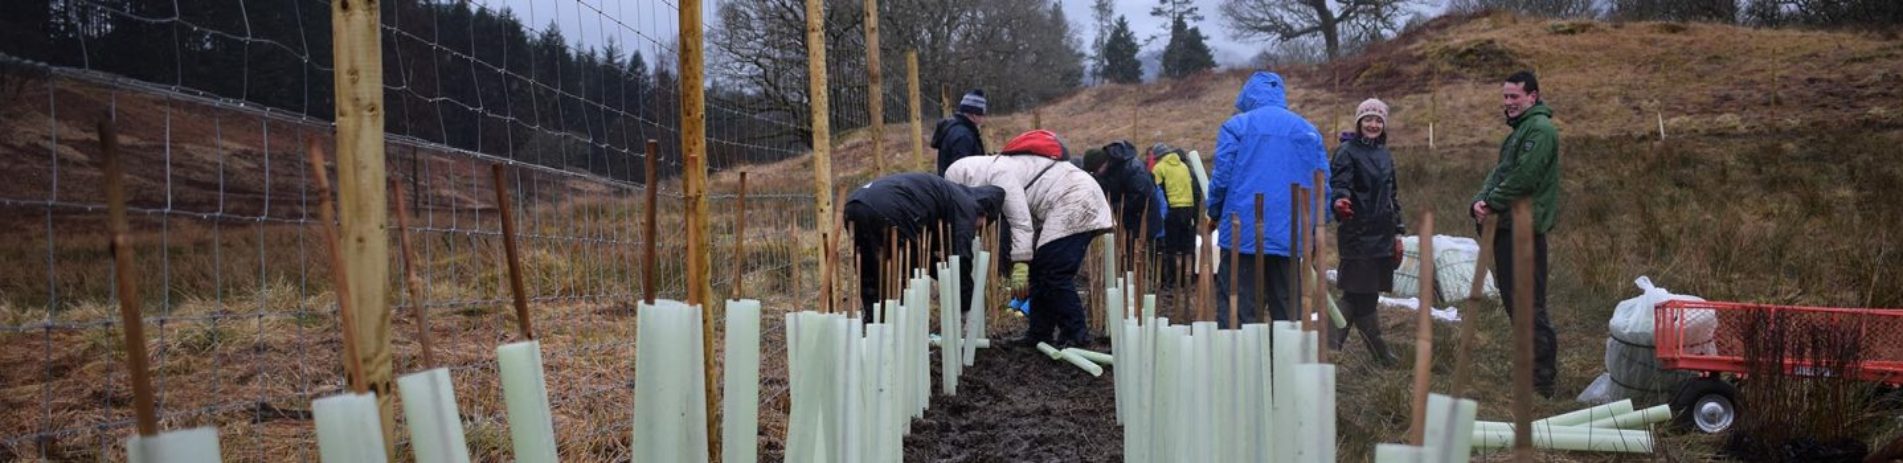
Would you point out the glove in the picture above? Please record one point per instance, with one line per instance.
(1020, 276)
(1344, 209)
(1397, 252)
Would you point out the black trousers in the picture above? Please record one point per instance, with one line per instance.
(1054, 301)
(1545, 340)
(869, 230)
(1274, 288)
(1179, 239)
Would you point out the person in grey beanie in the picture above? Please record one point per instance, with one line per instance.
(957, 136)
(1363, 195)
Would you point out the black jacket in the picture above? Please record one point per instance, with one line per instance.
(917, 203)
(1362, 170)
(1129, 188)
(954, 138)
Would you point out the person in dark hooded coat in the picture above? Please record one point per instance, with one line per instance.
(1365, 200)
(1130, 190)
(914, 206)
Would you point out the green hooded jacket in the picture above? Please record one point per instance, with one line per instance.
(1529, 166)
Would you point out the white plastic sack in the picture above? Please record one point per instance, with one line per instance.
(1454, 259)
(1632, 368)
(1632, 322)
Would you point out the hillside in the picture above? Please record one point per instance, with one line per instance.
(1614, 80)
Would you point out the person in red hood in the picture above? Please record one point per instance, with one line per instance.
(1052, 209)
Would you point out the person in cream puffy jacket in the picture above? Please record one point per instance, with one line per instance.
(1052, 210)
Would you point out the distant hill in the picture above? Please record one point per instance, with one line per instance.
(1603, 79)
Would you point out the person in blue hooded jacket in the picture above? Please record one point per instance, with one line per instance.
(1260, 150)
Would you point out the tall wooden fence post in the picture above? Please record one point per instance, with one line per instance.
(694, 182)
(357, 51)
(822, 133)
(918, 128)
(875, 88)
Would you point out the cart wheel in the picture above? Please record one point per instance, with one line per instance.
(1708, 404)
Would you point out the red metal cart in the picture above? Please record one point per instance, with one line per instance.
(1709, 338)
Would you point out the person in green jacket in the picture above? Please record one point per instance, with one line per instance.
(1182, 193)
(1528, 168)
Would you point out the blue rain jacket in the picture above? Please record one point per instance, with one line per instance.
(1262, 149)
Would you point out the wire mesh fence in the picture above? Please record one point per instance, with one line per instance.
(242, 321)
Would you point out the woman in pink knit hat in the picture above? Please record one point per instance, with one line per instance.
(1363, 195)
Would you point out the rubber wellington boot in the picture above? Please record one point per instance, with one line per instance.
(1370, 326)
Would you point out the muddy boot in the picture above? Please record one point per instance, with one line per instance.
(1338, 337)
(1370, 326)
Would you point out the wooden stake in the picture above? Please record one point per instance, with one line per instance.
(1523, 328)
(1423, 333)
(131, 317)
(895, 271)
(1235, 274)
(1294, 311)
(832, 254)
(1463, 361)
(1138, 261)
(822, 140)
(918, 127)
(793, 230)
(516, 288)
(353, 363)
(1318, 233)
(647, 257)
(740, 240)
(825, 273)
(998, 254)
(411, 282)
(1205, 284)
(875, 89)
(1261, 265)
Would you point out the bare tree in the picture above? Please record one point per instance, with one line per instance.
(1338, 22)
(1020, 52)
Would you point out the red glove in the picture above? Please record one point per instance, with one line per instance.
(1344, 209)
(1398, 251)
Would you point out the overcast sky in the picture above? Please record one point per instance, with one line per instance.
(647, 24)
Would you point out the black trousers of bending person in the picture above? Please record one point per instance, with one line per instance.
(869, 240)
(1275, 288)
(1054, 301)
(1179, 239)
(1545, 341)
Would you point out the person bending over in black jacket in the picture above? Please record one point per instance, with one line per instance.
(914, 206)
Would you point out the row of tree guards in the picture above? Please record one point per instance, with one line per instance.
(1169, 418)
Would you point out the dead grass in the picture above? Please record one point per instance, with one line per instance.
(1774, 186)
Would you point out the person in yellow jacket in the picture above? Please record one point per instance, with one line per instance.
(1182, 193)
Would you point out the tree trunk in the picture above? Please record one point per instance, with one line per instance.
(1331, 34)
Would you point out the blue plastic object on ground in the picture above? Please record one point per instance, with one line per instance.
(1023, 305)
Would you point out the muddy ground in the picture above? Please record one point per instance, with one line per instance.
(1017, 405)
